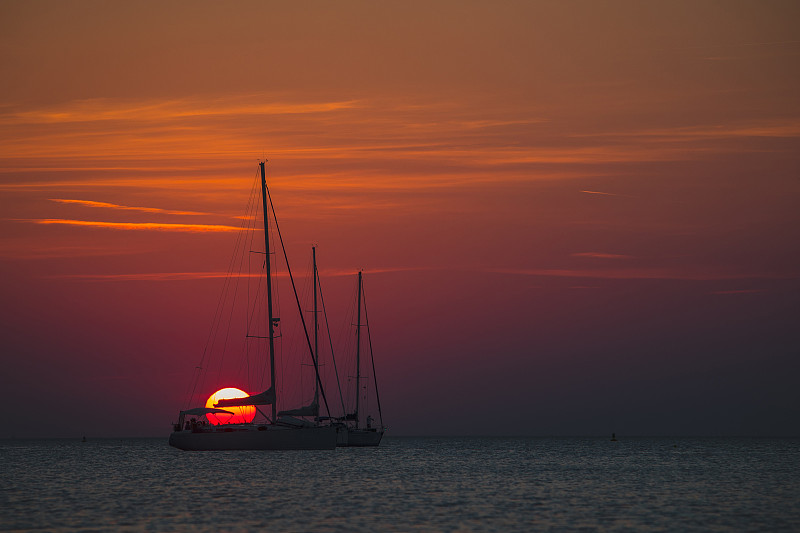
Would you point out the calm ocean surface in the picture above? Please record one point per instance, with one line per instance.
(408, 484)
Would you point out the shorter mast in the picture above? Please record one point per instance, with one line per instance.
(316, 326)
(358, 348)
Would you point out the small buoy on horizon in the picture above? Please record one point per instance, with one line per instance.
(83, 439)
(613, 437)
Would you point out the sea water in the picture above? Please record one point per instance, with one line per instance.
(406, 484)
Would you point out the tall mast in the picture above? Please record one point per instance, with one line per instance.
(269, 290)
(358, 348)
(316, 325)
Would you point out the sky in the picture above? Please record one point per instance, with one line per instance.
(573, 218)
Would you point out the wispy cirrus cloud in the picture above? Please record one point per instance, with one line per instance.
(102, 109)
(210, 185)
(91, 203)
(152, 276)
(216, 131)
(148, 226)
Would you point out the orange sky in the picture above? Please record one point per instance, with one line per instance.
(553, 202)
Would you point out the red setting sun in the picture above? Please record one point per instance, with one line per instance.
(241, 415)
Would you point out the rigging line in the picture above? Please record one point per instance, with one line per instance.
(372, 357)
(238, 278)
(278, 354)
(246, 375)
(252, 295)
(330, 341)
(249, 246)
(258, 315)
(244, 368)
(211, 336)
(295, 350)
(299, 307)
(199, 370)
(254, 312)
(229, 280)
(283, 360)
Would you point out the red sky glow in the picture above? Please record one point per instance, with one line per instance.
(574, 218)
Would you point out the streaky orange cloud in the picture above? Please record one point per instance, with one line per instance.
(91, 203)
(193, 184)
(155, 276)
(102, 109)
(197, 228)
(108, 130)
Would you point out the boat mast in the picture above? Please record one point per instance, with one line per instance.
(316, 325)
(269, 290)
(358, 348)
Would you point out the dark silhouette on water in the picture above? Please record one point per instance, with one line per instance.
(613, 437)
(281, 431)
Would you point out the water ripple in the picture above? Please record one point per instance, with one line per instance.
(407, 484)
